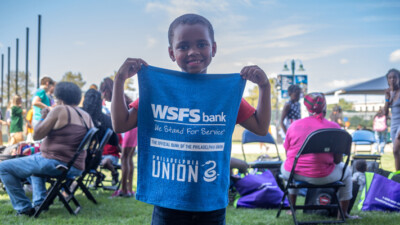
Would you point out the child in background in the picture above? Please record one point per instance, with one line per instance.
(291, 111)
(192, 46)
(359, 175)
(29, 126)
(16, 124)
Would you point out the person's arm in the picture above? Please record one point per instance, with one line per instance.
(47, 123)
(258, 123)
(388, 100)
(122, 118)
(37, 101)
(285, 111)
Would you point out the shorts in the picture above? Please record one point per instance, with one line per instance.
(165, 216)
(130, 139)
(114, 159)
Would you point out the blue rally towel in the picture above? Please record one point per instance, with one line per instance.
(185, 126)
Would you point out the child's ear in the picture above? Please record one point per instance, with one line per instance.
(214, 48)
(171, 54)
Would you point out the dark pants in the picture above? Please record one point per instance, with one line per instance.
(164, 216)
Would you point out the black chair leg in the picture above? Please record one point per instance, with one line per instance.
(335, 198)
(281, 205)
(86, 191)
(52, 194)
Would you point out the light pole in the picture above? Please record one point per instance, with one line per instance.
(293, 67)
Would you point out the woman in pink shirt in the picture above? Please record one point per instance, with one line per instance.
(320, 168)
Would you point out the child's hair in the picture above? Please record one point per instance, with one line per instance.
(361, 165)
(190, 19)
(93, 86)
(44, 80)
(106, 84)
(293, 88)
(15, 99)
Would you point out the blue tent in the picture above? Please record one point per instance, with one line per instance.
(375, 86)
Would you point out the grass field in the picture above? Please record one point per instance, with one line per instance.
(131, 211)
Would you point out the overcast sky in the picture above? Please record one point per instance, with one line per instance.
(339, 42)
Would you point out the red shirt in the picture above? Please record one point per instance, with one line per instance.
(111, 149)
(245, 110)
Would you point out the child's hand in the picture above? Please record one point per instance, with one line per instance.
(255, 74)
(130, 68)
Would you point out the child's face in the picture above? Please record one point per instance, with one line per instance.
(192, 48)
(295, 96)
(393, 80)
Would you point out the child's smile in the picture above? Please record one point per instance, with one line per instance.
(192, 48)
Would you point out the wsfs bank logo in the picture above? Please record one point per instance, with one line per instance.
(184, 114)
(182, 170)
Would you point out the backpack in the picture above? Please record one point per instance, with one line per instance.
(380, 123)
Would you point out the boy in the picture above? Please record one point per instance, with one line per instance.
(192, 46)
(41, 100)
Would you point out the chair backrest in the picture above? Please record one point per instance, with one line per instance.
(330, 140)
(85, 144)
(363, 135)
(249, 137)
(105, 138)
(94, 157)
(327, 140)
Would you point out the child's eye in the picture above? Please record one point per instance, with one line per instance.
(183, 47)
(202, 45)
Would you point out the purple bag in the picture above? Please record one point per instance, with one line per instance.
(259, 191)
(383, 195)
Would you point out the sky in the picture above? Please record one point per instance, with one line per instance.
(339, 42)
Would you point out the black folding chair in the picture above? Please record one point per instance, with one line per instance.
(61, 183)
(93, 161)
(335, 141)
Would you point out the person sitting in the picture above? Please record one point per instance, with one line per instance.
(359, 174)
(320, 168)
(92, 104)
(63, 128)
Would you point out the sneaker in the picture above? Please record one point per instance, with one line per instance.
(117, 193)
(30, 212)
(99, 179)
(115, 176)
(130, 194)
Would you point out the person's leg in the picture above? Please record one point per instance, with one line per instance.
(382, 141)
(48, 167)
(124, 168)
(377, 138)
(396, 152)
(12, 171)
(131, 169)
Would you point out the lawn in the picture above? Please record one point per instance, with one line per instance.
(130, 211)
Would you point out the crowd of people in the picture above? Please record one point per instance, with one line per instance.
(59, 123)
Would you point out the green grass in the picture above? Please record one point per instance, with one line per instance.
(131, 211)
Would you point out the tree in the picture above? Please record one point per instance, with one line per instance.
(128, 86)
(252, 99)
(21, 88)
(345, 105)
(74, 78)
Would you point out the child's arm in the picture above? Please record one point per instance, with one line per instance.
(285, 111)
(122, 118)
(258, 123)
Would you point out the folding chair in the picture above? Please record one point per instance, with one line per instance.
(321, 141)
(61, 183)
(95, 176)
(92, 162)
(250, 137)
(363, 138)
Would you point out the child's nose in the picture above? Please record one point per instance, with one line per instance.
(193, 51)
